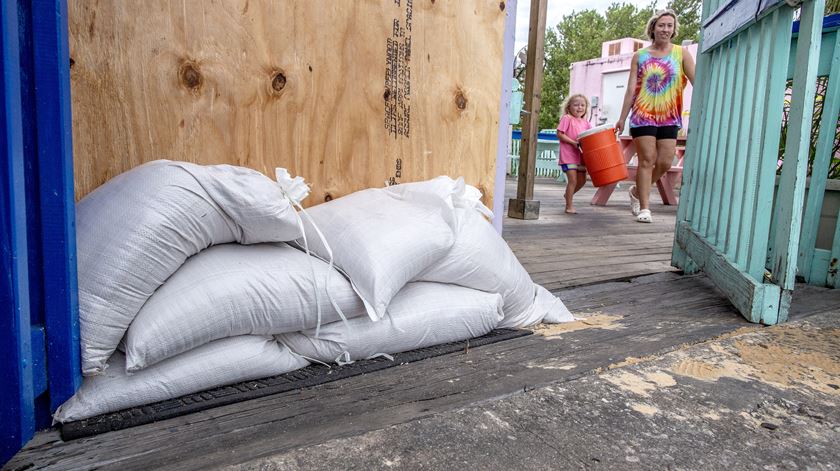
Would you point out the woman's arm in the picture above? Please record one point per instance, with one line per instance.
(628, 94)
(688, 66)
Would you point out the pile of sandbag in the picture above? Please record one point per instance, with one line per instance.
(193, 277)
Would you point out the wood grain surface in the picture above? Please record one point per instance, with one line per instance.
(347, 94)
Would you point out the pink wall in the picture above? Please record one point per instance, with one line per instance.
(587, 77)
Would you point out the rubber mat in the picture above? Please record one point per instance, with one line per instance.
(309, 376)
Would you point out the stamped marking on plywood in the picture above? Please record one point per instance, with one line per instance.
(597, 321)
(397, 94)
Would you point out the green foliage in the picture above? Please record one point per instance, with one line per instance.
(689, 12)
(579, 35)
(819, 100)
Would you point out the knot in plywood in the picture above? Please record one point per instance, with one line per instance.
(460, 100)
(278, 82)
(189, 76)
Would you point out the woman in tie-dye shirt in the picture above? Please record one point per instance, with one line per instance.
(658, 74)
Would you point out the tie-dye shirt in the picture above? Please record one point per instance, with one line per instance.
(659, 90)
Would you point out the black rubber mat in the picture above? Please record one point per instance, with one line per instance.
(311, 375)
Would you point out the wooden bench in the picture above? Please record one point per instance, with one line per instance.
(666, 184)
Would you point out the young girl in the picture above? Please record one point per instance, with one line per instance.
(571, 124)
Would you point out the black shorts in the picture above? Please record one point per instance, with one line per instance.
(659, 132)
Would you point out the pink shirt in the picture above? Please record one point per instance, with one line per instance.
(571, 127)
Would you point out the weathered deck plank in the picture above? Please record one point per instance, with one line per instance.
(686, 310)
(597, 244)
(628, 320)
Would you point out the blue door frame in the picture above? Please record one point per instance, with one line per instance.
(39, 328)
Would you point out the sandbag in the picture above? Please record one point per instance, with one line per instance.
(219, 363)
(481, 259)
(455, 193)
(420, 315)
(381, 240)
(232, 289)
(134, 231)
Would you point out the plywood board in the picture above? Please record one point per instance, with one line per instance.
(347, 94)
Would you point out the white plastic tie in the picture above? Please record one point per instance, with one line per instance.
(344, 359)
(382, 355)
(311, 360)
(295, 190)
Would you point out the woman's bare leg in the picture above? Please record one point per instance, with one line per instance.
(646, 150)
(666, 149)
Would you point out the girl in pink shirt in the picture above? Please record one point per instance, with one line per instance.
(571, 125)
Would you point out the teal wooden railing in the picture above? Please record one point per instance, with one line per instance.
(547, 149)
(726, 222)
(819, 265)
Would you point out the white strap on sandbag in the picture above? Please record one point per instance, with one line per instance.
(296, 190)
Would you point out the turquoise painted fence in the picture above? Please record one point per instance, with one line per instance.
(547, 149)
(727, 222)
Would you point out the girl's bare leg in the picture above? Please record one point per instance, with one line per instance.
(571, 189)
(581, 180)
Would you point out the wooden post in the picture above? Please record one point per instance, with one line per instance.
(524, 206)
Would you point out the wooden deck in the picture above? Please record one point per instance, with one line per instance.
(597, 244)
(627, 323)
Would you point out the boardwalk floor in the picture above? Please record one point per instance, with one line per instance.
(597, 244)
(661, 373)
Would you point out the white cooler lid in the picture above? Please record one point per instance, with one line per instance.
(596, 130)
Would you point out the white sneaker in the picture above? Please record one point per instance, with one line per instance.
(644, 216)
(635, 206)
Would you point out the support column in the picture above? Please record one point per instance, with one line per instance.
(524, 206)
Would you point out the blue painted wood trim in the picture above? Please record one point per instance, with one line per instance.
(733, 17)
(516, 135)
(57, 200)
(830, 23)
(39, 360)
(17, 417)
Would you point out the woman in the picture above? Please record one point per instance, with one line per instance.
(653, 98)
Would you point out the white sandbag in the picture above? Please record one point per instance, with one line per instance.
(134, 231)
(381, 239)
(420, 315)
(233, 289)
(481, 259)
(456, 193)
(219, 363)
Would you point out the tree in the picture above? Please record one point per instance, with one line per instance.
(689, 12)
(578, 37)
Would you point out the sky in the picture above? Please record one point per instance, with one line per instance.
(557, 9)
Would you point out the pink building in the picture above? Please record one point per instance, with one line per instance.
(604, 80)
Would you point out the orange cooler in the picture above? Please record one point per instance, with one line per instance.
(602, 155)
